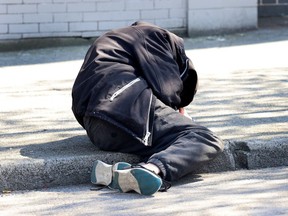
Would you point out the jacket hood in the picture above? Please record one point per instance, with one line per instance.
(187, 71)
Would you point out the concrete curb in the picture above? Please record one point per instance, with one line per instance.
(39, 173)
(257, 154)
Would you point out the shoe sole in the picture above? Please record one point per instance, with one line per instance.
(102, 173)
(137, 179)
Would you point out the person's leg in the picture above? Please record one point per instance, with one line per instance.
(107, 136)
(180, 145)
(110, 138)
(121, 176)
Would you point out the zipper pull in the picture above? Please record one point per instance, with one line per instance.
(113, 96)
(124, 88)
(145, 140)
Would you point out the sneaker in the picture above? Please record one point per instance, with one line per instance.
(102, 173)
(137, 179)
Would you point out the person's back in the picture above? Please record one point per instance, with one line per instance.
(143, 55)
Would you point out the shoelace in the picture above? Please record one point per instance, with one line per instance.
(165, 184)
(98, 187)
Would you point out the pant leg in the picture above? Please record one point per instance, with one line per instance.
(111, 138)
(180, 145)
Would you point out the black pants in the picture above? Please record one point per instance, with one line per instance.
(179, 145)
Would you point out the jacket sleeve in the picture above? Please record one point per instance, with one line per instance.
(159, 68)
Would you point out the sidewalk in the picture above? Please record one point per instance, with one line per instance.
(261, 192)
(242, 97)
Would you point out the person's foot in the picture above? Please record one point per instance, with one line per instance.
(138, 179)
(102, 173)
(125, 177)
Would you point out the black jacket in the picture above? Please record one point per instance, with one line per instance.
(122, 71)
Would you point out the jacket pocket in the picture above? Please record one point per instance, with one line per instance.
(125, 87)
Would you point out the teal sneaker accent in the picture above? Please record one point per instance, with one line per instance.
(117, 166)
(138, 179)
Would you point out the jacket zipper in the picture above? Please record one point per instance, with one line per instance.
(186, 67)
(124, 88)
(147, 135)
